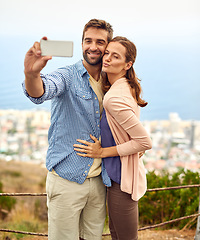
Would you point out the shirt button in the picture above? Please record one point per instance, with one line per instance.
(83, 174)
(88, 165)
(84, 96)
(95, 98)
(97, 111)
(98, 125)
(85, 171)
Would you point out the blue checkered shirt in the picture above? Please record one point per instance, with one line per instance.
(75, 114)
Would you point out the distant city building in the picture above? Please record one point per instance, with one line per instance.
(176, 143)
(23, 134)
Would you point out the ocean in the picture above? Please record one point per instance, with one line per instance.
(169, 78)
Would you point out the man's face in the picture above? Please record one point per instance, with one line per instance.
(94, 45)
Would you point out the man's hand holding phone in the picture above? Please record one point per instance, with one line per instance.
(41, 52)
(34, 62)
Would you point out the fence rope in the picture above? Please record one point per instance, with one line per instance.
(23, 194)
(148, 190)
(22, 232)
(168, 222)
(106, 234)
(173, 188)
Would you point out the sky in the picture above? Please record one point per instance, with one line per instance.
(165, 32)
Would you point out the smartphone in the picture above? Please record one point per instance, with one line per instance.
(56, 48)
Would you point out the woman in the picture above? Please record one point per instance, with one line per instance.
(123, 137)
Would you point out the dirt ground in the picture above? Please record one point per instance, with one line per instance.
(163, 235)
(167, 235)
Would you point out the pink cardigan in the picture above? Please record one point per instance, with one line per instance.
(130, 136)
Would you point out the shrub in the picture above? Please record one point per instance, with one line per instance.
(161, 206)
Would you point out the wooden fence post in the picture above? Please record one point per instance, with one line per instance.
(197, 235)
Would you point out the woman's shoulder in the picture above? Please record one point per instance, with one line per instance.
(119, 88)
(119, 98)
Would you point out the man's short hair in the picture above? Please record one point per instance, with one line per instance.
(99, 24)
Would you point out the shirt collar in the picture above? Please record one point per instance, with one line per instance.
(80, 67)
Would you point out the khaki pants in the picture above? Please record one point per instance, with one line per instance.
(75, 210)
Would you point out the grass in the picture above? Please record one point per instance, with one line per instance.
(19, 177)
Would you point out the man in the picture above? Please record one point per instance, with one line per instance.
(75, 191)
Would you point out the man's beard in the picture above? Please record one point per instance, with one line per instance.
(90, 61)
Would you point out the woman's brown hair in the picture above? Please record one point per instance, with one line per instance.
(133, 80)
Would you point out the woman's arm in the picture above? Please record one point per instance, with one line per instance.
(124, 115)
(94, 150)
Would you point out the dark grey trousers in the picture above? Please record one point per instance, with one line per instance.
(123, 214)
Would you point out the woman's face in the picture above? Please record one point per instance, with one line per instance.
(114, 60)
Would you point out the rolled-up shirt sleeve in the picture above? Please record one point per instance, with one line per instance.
(54, 85)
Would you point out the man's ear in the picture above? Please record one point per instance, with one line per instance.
(128, 65)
